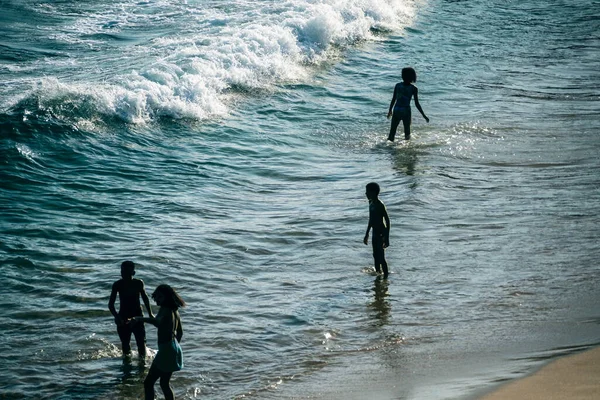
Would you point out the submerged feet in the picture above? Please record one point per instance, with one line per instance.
(380, 272)
(391, 138)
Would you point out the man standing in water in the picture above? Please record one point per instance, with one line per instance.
(380, 222)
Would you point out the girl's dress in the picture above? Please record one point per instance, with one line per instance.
(169, 357)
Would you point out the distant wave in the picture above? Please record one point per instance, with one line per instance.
(209, 55)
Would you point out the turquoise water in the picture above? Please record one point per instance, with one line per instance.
(224, 147)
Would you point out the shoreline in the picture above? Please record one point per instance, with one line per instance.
(414, 375)
(572, 377)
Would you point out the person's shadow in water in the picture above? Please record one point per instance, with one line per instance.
(381, 304)
(405, 158)
(130, 383)
(131, 368)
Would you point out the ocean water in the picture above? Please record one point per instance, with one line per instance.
(224, 147)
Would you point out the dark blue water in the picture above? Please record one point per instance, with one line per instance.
(224, 147)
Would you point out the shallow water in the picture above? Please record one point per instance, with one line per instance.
(224, 147)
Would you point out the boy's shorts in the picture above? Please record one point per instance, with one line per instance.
(378, 250)
(139, 332)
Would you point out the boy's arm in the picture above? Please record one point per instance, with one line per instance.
(366, 239)
(386, 237)
(418, 105)
(111, 304)
(146, 300)
(393, 102)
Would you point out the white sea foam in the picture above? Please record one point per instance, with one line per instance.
(210, 53)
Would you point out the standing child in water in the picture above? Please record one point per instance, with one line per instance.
(380, 222)
(400, 105)
(169, 357)
(129, 291)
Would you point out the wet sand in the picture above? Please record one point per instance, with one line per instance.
(575, 377)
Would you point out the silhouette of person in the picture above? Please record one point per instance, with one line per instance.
(129, 290)
(169, 357)
(400, 105)
(380, 222)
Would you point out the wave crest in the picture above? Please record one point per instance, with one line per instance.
(195, 74)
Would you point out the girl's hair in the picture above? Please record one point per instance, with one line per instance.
(409, 74)
(172, 299)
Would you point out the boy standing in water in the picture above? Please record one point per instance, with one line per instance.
(400, 105)
(129, 290)
(380, 222)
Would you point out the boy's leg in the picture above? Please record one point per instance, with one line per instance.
(394, 127)
(164, 385)
(139, 332)
(124, 332)
(376, 261)
(377, 242)
(384, 265)
(149, 382)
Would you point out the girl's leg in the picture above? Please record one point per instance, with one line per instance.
(149, 382)
(164, 385)
(406, 122)
(395, 122)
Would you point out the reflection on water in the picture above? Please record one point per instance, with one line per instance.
(130, 383)
(243, 213)
(132, 369)
(380, 304)
(404, 157)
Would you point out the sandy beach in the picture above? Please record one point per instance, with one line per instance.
(575, 377)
